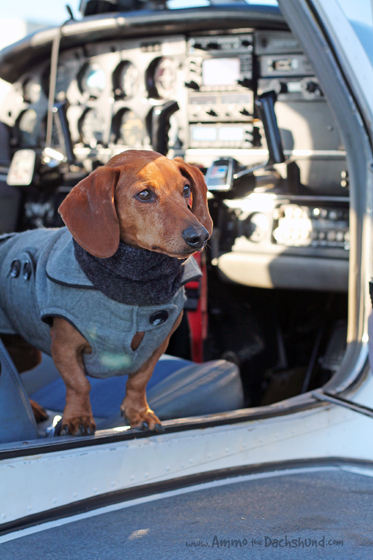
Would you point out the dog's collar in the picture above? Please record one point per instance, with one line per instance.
(133, 276)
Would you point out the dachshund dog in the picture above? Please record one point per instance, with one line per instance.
(139, 205)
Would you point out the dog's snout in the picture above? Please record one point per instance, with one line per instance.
(196, 237)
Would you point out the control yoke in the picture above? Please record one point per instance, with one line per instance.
(266, 108)
(161, 125)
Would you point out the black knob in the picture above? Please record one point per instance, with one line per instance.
(213, 46)
(245, 82)
(279, 87)
(310, 86)
(192, 85)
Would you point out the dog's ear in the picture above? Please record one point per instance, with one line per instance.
(90, 215)
(199, 192)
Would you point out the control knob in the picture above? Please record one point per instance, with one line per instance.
(257, 227)
(310, 86)
(278, 86)
(192, 85)
(213, 46)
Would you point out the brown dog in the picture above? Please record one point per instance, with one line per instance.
(148, 202)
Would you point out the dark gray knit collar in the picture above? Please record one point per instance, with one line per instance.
(133, 276)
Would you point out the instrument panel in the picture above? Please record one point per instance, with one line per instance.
(112, 91)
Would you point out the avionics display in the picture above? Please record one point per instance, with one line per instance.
(223, 136)
(220, 71)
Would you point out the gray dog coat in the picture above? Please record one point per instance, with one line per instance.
(40, 278)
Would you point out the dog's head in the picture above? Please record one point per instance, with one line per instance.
(143, 199)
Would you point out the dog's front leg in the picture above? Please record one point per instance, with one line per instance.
(67, 348)
(135, 407)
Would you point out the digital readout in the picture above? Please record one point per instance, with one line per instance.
(204, 133)
(220, 71)
(237, 98)
(220, 133)
(202, 99)
(230, 134)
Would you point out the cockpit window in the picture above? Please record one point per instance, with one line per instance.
(360, 16)
(179, 4)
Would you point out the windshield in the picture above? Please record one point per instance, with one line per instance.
(361, 18)
(42, 12)
(178, 4)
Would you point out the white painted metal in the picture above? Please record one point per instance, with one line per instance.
(34, 484)
(358, 71)
(152, 498)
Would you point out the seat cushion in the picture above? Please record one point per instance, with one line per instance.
(17, 420)
(197, 389)
(177, 388)
(106, 394)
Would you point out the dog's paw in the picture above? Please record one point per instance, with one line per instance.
(142, 420)
(81, 426)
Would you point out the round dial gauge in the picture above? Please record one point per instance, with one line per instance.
(28, 127)
(126, 79)
(162, 78)
(130, 129)
(92, 128)
(31, 90)
(92, 80)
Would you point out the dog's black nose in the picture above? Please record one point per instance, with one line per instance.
(196, 237)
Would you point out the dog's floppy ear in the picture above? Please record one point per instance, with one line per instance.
(199, 191)
(90, 215)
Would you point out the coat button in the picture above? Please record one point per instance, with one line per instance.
(158, 317)
(27, 270)
(15, 268)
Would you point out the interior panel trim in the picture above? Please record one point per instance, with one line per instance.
(269, 271)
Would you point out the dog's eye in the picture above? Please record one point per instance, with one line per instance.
(186, 191)
(145, 196)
